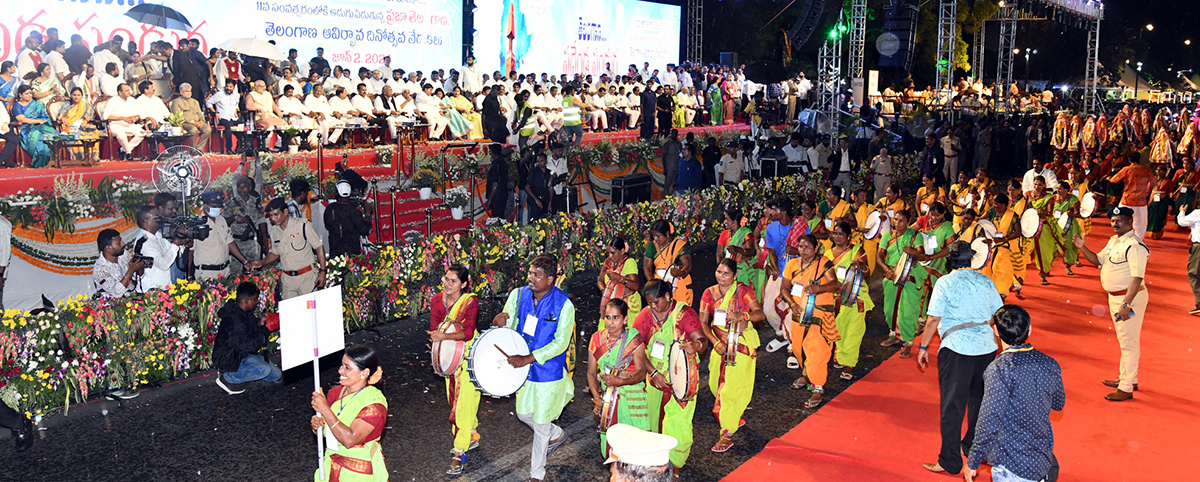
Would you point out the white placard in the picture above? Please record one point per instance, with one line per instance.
(530, 326)
(930, 243)
(296, 331)
(719, 319)
(828, 224)
(797, 290)
(841, 273)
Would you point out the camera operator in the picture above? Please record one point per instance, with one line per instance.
(294, 244)
(167, 206)
(345, 222)
(211, 254)
(115, 272)
(247, 223)
(162, 253)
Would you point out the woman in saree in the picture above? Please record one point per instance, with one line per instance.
(466, 108)
(459, 125)
(937, 235)
(35, 123)
(1020, 248)
(724, 306)
(1160, 202)
(618, 278)
(617, 360)
(76, 111)
(961, 197)
(678, 118)
(851, 320)
(730, 93)
(454, 304)
(8, 83)
(716, 106)
(983, 189)
(901, 302)
(46, 87)
(809, 280)
(1187, 179)
(669, 259)
(351, 417)
(1045, 245)
(1080, 185)
(927, 194)
(1066, 205)
(738, 243)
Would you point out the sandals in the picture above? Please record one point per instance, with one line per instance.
(906, 350)
(893, 341)
(724, 443)
(457, 461)
(1045, 282)
(847, 373)
(800, 383)
(1069, 272)
(474, 440)
(815, 399)
(793, 363)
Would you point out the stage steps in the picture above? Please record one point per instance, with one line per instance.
(404, 211)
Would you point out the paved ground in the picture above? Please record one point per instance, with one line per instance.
(192, 430)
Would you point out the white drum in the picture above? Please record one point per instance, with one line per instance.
(487, 362)
(989, 229)
(1031, 223)
(1087, 205)
(874, 224)
(983, 253)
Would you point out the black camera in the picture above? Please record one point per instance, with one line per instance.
(138, 258)
(186, 227)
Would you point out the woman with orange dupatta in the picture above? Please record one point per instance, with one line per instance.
(617, 359)
(454, 304)
(669, 259)
(724, 306)
(618, 278)
(352, 418)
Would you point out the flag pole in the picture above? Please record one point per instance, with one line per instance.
(316, 364)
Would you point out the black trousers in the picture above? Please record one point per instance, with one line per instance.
(647, 124)
(9, 418)
(12, 142)
(960, 378)
(664, 124)
(228, 134)
(1193, 270)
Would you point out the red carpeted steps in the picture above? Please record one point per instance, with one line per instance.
(404, 211)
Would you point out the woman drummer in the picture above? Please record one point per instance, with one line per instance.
(1045, 244)
(807, 275)
(862, 210)
(939, 232)
(929, 193)
(892, 202)
(737, 242)
(1187, 179)
(1160, 202)
(851, 320)
(619, 278)
(901, 303)
(1066, 204)
(1019, 248)
(1081, 185)
(667, 254)
(727, 304)
(958, 199)
(455, 305)
(354, 414)
(983, 189)
(663, 322)
(617, 359)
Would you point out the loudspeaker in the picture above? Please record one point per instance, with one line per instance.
(631, 189)
(729, 58)
(899, 25)
(774, 167)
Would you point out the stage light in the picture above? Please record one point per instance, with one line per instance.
(1016, 51)
(1150, 27)
(1187, 42)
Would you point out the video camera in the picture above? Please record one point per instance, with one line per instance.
(186, 227)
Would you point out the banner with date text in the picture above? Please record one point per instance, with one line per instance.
(417, 34)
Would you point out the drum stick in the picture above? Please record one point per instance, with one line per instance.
(506, 355)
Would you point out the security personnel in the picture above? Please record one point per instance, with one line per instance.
(247, 223)
(293, 244)
(211, 254)
(346, 223)
(1122, 265)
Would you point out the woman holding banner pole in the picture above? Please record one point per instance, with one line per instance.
(456, 305)
(352, 418)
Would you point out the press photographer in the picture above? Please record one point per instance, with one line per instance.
(345, 221)
(211, 253)
(160, 252)
(115, 271)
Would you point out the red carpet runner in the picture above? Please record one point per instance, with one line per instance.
(883, 427)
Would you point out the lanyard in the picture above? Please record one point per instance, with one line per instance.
(342, 402)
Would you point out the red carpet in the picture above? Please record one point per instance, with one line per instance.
(884, 426)
(363, 160)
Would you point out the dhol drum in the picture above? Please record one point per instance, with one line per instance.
(851, 286)
(447, 354)
(928, 246)
(1087, 205)
(608, 408)
(487, 362)
(732, 337)
(875, 224)
(805, 317)
(1063, 221)
(983, 253)
(966, 200)
(685, 373)
(903, 268)
(1031, 223)
(990, 230)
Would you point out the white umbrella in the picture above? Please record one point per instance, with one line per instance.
(254, 48)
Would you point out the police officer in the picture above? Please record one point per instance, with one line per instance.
(244, 215)
(294, 243)
(211, 254)
(345, 223)
(1122, 265)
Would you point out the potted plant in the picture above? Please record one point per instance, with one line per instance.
(176, 121)
(293, 137)
(456, 198)
(424, 181)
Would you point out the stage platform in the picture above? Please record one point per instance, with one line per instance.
(365, 161)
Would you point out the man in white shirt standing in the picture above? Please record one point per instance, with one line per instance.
(122, 114)
(670, 77)
(797, 156)
(30, 57)
(109, 80)
(109, 55)
(687, 100)
(472, 77)
(1039, 169)
(151, 244)
(431, 108)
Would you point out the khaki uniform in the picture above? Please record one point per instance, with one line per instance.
(211, 255)
(244, 233)
(296, 247)
(1124, 258)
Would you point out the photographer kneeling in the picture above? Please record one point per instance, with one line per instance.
(240, 338)
(115, 272)
(212, 252)
(162, 253)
